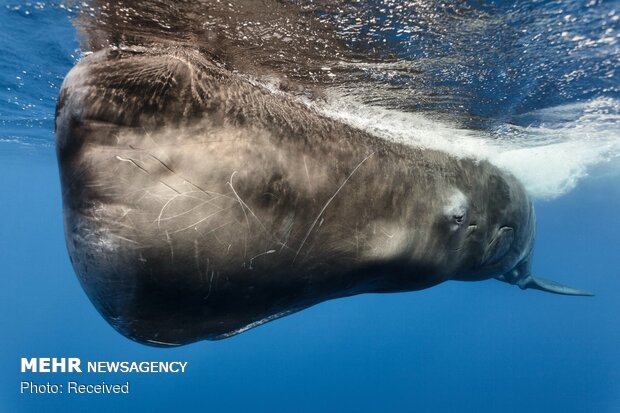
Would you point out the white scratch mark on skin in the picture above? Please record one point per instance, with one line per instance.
(125, 239)
(196, 257)
(178, 144)
(386, 234)
(210, 285)
(148, 135)
(244, 205)
(134, 163)
(260, 255)
(118, 222)
(247, 221)
(198, 222)
(216, 237)
(169, 241)
(307, 173)
(121, 224)
(327, 204)
(131, 161)
(145, 193)
(287, 234)
(187, 211)
(185, 180)
(125, 212)
(161, 212)
(185, 194)
(216, 228)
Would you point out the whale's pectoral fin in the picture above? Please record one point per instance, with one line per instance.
(550, 286)
(541, 284)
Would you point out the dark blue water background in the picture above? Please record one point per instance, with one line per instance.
(458, 347)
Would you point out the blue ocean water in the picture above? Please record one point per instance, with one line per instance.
(458, 347)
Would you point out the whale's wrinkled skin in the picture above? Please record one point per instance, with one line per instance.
(198, 204)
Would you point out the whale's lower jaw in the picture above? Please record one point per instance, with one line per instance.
(154, 333)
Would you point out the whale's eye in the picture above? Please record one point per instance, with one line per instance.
(455, 209)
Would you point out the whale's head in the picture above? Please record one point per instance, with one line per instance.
(497, 228)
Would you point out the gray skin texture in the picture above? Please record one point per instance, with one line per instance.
(198, 205)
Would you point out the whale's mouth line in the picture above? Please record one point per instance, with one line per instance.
(470, 230)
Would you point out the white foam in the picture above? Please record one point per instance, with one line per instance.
(549, 159)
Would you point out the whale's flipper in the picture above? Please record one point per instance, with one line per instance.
(551, 286)
(542, 284)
